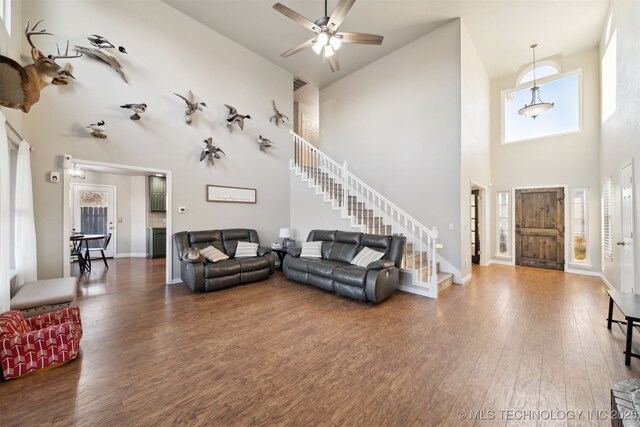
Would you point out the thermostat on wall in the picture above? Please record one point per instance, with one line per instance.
(182, 209)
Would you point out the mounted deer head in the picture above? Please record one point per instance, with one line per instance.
(20, 86)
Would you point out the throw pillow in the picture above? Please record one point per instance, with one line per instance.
(246, 249)
(312, 249)
(213, 254)
(366, 256)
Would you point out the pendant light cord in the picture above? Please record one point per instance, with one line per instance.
(534, 66)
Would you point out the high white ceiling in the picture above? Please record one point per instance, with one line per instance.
(502, 30)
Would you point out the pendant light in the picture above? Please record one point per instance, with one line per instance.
(536, 107)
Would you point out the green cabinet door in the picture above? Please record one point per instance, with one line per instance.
(157, 194)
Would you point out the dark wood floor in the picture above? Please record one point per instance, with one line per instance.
(280, 353)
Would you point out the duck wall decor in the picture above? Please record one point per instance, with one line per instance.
(136, 108)
(96, 53)
(264, 143)
(102, 43)
(20, 86)
(210, 151)
(192, 106)
(97, 130)
(278, 117)
(234, 117)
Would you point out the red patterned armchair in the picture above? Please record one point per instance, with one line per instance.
(27, 345)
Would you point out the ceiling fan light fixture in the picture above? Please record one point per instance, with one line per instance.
(323, 37)
(317, 47)
(536, 107)
(335, 42)
(328, 51)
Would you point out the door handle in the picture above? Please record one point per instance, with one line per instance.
(620, 243)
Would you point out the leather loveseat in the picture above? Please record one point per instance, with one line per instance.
(202, 275)
(333, 272)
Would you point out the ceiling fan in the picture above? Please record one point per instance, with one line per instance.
(327, 38)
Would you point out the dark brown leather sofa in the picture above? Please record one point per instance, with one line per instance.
(333, 272)
(202, 275)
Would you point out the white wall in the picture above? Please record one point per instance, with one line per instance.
(620, 129)
(168, 52)
(475, 151)
(307, 100)
(571, 159)
(397, 123)
(310, 212)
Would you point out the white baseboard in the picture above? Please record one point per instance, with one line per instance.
(175, 281)
(582, 272)
(606, 282)
(131, 255)
(466, 278)
(500, 262)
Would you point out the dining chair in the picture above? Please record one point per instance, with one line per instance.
(107, 239)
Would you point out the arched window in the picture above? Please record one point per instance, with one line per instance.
(542, 71)
(563, 89)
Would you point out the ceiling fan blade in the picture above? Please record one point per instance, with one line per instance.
(339, 13)
(298, 48)
(361, 38)
(333, 63)
(294, 16)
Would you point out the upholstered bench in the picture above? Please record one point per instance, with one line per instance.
(45, 296)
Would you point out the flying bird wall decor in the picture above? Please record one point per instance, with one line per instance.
(101, 56)
(20, 86)
(102, 43)
(264, 143)
(278, 117)
(136, 108)
(97, 130)
(210, 151)
(192, 106)
(234, 117)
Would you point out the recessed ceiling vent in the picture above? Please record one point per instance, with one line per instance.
(298, 83)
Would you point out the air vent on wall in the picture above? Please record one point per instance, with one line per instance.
(298, 83)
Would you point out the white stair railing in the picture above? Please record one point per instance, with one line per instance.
(369, 210)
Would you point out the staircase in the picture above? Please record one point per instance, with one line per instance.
(370, 212)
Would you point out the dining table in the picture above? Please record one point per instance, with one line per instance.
(84, 260)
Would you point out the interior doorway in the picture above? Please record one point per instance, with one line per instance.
(540, 227)
(626, 243)
(306, 111)
(141, 174)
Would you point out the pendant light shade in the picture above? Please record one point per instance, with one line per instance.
(536, 107)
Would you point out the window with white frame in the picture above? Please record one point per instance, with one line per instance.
(5, 14)
(607, 249)
(563, 89)
(579, 226)
(502, 223)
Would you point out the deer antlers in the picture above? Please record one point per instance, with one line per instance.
(28, 32)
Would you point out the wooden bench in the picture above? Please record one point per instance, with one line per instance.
(45, 296)
(629, 305)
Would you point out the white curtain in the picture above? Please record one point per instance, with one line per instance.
(26, 258)
(5, 257)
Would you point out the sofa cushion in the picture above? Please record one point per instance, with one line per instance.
(377, 243)
(350, 275)
(366, 256)
(253, 263)
(206, 236)
(323, 267)
(212, 254)
(311, 250)
(232, 236)
(343, 252)
(221, 268)
(246, 249)
(298, 264)
(326, 237)
(45, 292)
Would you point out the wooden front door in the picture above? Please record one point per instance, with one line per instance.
(539, 222)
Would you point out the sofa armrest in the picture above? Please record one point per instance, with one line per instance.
(263, 250)
(294, 252)
(380, 264)
(192, 274)
(381, 283)
(67, 315)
